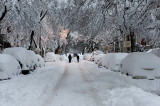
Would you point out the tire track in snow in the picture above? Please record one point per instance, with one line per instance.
(79, 87)
(53, 93)
(92, 91)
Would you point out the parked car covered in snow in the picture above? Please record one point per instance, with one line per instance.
(86, 56)
(155, 51)
(9, 67)
(40, 60)
(141, 65)
(112, 60)
(96, 55)
(26, 58)
(51, 57)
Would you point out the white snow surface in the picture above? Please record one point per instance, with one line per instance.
(87, 56)
(78, 84)
(27, 58)
(141, 64)
(9, 66)
(96, 56)
(51, 57)
(112, 60)
(155, 51)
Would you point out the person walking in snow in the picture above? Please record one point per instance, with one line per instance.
(70, 58)
(77, 58)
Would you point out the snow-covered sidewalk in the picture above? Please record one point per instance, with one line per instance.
(77, 84)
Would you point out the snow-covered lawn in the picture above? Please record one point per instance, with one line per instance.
(78, 84)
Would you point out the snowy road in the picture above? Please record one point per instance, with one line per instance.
(73, 88)
(77, 84)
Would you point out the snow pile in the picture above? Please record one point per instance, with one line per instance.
(63, 57)
(27, 58)
(143, 65)
(9, 66)
(51, 57)
(155, 51)
(30, 90)
(131, 97)
(116, 89)
(112, 60)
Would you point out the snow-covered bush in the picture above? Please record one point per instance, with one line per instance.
(112, 60)
(9, 66)
(141, 65)
(28, 59)
(51, 57)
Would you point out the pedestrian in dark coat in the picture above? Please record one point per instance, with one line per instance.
(70, 58)
(77, 58)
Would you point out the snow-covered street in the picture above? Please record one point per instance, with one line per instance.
(79, 52)
(77, 84)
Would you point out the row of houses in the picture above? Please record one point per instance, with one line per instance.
(129, 43)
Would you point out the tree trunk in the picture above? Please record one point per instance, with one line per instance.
(31, 39)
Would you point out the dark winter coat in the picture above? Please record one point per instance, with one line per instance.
(77, 57)
(69, 57)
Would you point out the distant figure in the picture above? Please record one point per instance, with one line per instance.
(77, 58)
(70, 58)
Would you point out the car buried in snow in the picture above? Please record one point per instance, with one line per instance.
(9, 67)
(112, 61)
(96, 56)
(27, 59)
(141, 65)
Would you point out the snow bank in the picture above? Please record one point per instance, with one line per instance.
(9, 66)
(63, 57)
(116, 89)
(112, 60)
(143, 65)
(51, 57)
(30, 90)
(131, 97)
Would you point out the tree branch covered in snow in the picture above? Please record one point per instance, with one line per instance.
(92, 18)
